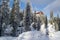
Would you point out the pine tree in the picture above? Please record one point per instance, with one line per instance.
(34, 17)
(1, 25)
(5, 14)
(5, 11)
(51, 17)
(58, 28)
(14, 20)
(46, 21)
(38, 23)
(34, 20)
(16, 10)
(13, 23)
(1, 18)
(27, 17)
(46, 25)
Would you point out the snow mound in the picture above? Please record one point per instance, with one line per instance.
(51, 29)
(8, 38)
(31, 26)
(33, 35)
(43, 29)
(56, 36)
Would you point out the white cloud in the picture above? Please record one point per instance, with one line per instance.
(38, 2)
(55, 6)
(41, 2)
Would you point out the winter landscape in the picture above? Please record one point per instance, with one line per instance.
(29, 19)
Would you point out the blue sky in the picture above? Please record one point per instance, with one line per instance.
(41, 5)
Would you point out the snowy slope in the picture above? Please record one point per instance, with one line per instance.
(33, 35)
(37, 35)
(56, 36)
(51, 29)
(8, 38)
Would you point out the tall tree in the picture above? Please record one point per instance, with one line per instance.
(27, 17)
(46, 25)
(14, 20)
(1, 18)
(34, 20)
(51, 16)
(38, 23)
(5, 13)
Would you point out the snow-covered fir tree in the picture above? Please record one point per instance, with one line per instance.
(46, 25)
(5, 14)
(38, 23)
(51, 17)
(15, 19)
(27, 17)
(0, 21)
(58, 21)
(34, 20)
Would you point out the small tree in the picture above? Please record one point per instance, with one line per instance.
(13, 23)
(1, 18)
(27, 17)
(46, 23)
(14, 20)
(38, 23)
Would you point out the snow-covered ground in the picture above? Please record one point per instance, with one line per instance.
(33, 35)
(56, 36)
(37, 35)
(8, 38)
(51, 29)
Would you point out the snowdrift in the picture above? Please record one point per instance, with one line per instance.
(33, 35)
(8, 38)
(56, 36)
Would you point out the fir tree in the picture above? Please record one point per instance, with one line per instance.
(14, 20)
(5, 14)
(27, 17)
(46, 25)
(5, 11)
(34, 20)
(1, 18)
(13, 23)
(38, 23)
